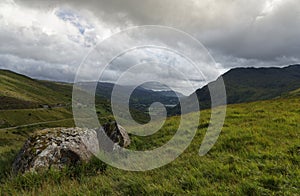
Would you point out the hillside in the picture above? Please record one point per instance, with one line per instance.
(257, 153)
(26, 102)
(19, 92)
(252, 84)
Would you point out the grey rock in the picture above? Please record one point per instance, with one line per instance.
(60, 147)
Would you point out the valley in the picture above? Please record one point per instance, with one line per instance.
(258, 151)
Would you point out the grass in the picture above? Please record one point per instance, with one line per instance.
(22, 88)
(257, 153)
(12, 118)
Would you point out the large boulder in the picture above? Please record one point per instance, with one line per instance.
(59, 147)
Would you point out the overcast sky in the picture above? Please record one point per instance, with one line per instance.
(49, 39)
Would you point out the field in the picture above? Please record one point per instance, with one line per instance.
(257, 153)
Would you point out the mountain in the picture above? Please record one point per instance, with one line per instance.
(140, 95)
(251, 84)
(21, 92)
(242, 85)
(140, 99)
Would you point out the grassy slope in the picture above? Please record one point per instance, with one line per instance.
(20, 97)
(258, 152)
(26, 89)
(12, 118)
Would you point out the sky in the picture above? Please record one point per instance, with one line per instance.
(49, 39)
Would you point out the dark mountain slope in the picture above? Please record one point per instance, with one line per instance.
(140, 95)
(252, 84)
(140, 99)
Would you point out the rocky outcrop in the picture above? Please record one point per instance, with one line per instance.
(117, 134)
(59, 147)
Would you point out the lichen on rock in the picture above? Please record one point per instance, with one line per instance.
(59, 147)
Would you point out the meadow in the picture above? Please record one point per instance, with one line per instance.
(257, 153)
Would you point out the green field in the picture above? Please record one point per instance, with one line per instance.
(257, 153)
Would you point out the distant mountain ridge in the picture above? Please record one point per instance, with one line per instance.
(18, 91)
(242, 85)
(140, 99)
(251, 84)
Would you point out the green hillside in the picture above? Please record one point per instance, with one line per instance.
(257, 153)
(18, 91)
(22, 102)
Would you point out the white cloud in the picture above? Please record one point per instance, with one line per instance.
(57, 35)
(53, 38)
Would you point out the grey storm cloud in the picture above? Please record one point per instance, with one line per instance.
(59, 33)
